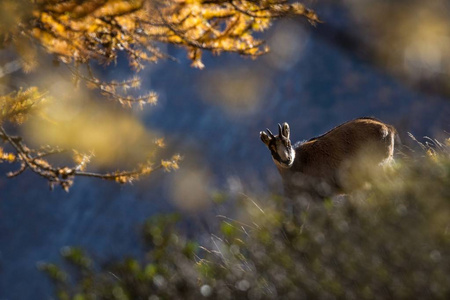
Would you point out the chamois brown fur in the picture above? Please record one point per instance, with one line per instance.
(335, 161)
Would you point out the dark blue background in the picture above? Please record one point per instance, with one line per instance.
(312, 95)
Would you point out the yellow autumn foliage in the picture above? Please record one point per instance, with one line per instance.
(78, 34)
(97, 29)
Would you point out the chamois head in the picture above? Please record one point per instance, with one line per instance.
(280, 145)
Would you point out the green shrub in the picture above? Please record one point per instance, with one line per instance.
(389, 240)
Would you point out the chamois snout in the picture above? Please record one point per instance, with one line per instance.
(283, 154)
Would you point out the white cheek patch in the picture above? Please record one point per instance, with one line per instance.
(284, 155)
(292, 154)
(282, 151)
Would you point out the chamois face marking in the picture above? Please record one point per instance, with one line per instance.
(280, 145)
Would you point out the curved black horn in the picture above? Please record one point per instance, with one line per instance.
(279, 129)
(270, 133)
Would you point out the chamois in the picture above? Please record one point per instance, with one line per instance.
(331, 163)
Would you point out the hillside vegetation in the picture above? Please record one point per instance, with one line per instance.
(390, 240)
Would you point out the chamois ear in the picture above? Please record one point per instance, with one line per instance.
(285, 131)
(264, 138)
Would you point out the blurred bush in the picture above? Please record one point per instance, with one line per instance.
(390, 240)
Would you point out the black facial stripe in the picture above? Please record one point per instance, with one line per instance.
(273, 145)
(272, 142)
(278, 158)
